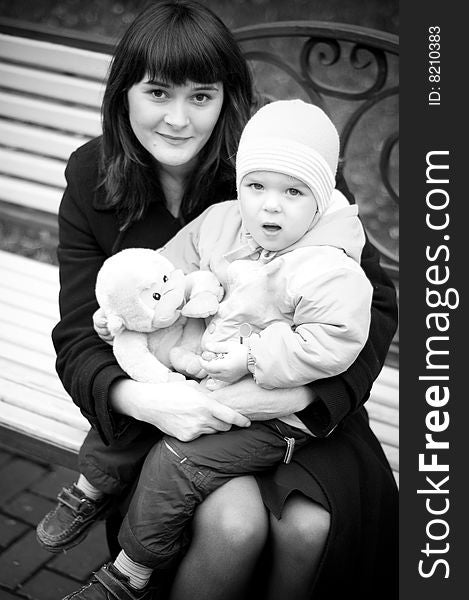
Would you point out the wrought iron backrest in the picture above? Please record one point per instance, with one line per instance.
(352, 72)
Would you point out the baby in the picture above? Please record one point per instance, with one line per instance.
(287, 253)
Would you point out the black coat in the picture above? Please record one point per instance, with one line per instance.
(349, 465)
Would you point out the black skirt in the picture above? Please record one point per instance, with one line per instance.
(349, 475)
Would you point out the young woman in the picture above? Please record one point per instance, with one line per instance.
(177, 98)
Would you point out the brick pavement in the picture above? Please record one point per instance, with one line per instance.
(27, 491)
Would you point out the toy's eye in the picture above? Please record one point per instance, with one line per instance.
(165, 278)
(156, 296)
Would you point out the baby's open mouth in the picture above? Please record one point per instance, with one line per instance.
(271, 227)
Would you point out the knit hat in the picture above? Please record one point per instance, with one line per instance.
(294, 138)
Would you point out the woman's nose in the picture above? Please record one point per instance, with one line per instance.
(176, 115)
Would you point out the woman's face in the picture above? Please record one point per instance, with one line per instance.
(174, 122)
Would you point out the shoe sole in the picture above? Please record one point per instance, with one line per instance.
(57, 549)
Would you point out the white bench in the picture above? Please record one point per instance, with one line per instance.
(49, 105)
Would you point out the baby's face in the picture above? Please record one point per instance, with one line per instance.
(277, 209)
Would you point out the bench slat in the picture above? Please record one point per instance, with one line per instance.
(41, 428)
(44, 170)
(18, 335)
(30, 195)
(382, 413)
(39, 403)
(51, 85)
(31, 378)
(67, 118)
(28, 320)
(38, 140)
(21, 300)
(31, 268)
(385, 394)
(54, 56)
(389, 376)
(26, 356)
(27, 283)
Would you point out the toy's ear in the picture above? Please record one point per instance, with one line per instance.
(115, 324)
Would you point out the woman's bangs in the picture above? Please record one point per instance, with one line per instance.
(177, 57)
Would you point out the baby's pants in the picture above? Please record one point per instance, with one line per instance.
(114, 469)
(178, 476)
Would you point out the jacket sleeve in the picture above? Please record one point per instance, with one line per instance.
(336, 397)
(85, 364)
(330, 327)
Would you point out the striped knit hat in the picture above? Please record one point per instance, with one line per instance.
(294, 138)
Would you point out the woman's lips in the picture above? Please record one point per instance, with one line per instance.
(174, 139)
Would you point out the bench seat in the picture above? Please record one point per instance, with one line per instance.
(33, 403)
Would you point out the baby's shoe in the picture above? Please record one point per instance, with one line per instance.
(109, 584)
(69, 522)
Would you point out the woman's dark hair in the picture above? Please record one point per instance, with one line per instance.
(174, 41)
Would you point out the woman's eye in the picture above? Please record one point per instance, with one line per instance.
(201, 98)
(158, 94)
(293, 192)
(165, 278)
(156, 296)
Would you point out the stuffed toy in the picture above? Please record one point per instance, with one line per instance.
(156, 313)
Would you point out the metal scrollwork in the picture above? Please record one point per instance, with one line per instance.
(326, 53)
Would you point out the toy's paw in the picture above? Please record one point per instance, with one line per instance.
(201, 306)
(173, 377)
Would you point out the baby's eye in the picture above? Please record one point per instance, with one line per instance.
(165, 278)
(293, 192)
(156, 296)
(256, 186)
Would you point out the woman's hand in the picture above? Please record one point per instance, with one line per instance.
(100, 326)
(259, 404)
(181, 409)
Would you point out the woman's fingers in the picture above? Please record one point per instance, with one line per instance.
(228, 415)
